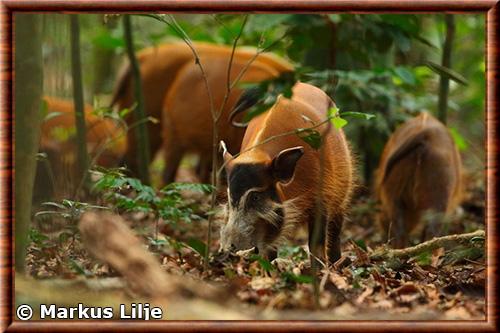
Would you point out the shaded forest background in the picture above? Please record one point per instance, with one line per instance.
(379, 64)
(389, 66)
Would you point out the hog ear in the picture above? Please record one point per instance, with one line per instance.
(225, 154)
(284, 163)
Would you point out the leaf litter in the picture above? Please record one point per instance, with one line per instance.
(442, 284)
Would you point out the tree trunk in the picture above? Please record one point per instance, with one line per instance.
(102, 58)
(28, 95)
(76, 71)
(444, 82)
(143, 154)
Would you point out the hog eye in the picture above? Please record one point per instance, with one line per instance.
(255, 197)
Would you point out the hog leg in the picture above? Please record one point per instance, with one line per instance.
(399, 229)
(435, 216)
(204, 168)
(317, 250)
(333, 238)
(437, 189)
(173, 156)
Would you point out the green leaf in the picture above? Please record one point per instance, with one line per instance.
(310, 136)
(339, 122)
(135, 184)
(68, 203)
(62, 133)
(264, 22)
(405, 75)
(36, 236)
(402, 41)
(361, 243)
(459, 139)
(197, 245)
(424, 258)
(354, 114)
(447, 72)
(287, 92)
(205, 188)
(333, 112)
(265, 264)
(297, 278)
(124, 112)
(106, 41)
(407, 23)
(78, 268)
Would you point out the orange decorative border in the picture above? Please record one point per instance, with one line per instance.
(10, 7)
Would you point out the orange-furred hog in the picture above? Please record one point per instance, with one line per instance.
(187, 119)
(419, 172)
(170, 69)
(106, 142)
(273, 185)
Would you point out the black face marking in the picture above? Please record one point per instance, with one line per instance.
(254, 199)
(257, 199)
(244, 177)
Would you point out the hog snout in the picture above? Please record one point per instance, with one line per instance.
(235, 237)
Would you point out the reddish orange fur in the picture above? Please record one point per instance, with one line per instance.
(99, 130)
(287, 115)
(160, 67)
(187, 120)
(425, 177)
(61, 149)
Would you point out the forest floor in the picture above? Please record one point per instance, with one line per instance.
(442, 284)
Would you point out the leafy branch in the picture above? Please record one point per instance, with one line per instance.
(308, 134)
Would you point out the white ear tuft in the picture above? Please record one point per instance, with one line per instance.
(225, 154)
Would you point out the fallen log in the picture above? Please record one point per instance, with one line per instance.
(108, 238)
(435, 243)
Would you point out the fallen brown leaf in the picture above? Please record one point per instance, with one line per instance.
(339, 281)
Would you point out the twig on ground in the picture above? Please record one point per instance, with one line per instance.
(464, 239)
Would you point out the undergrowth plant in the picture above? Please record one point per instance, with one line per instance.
(167, 205)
